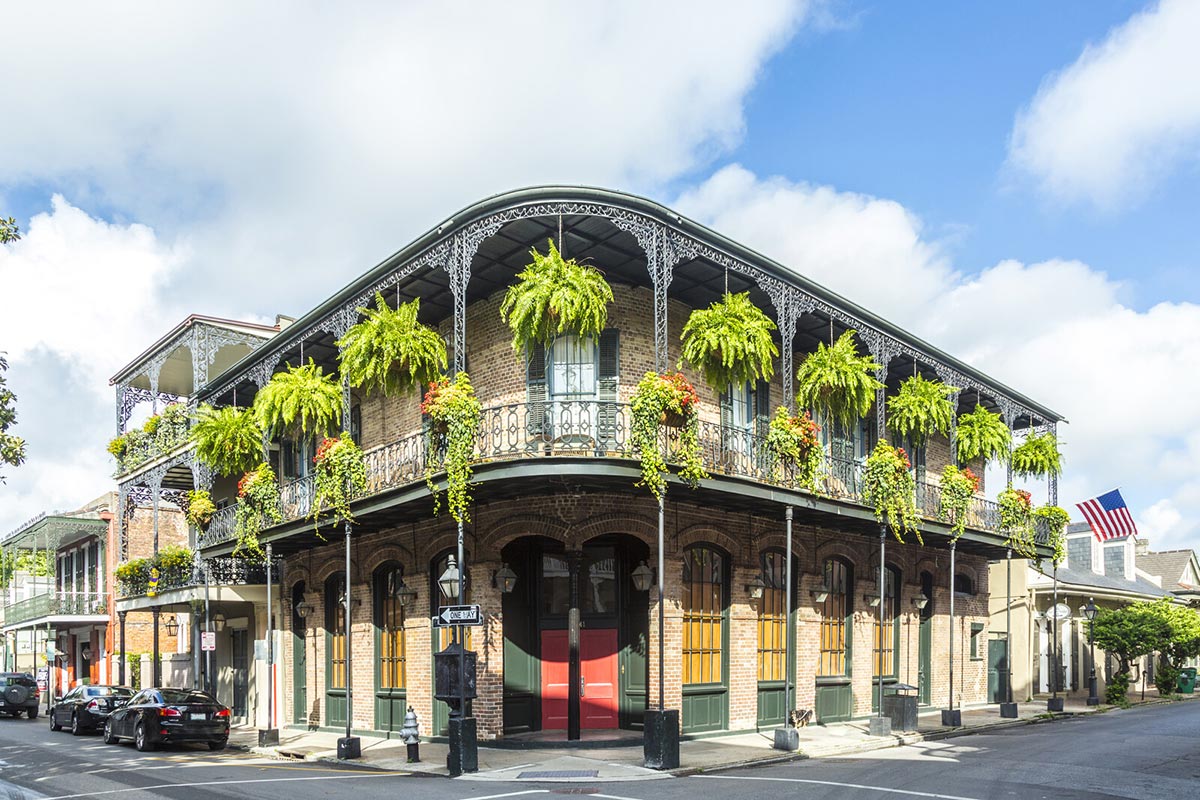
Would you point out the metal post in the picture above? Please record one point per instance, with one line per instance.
(879, 725)
(121, 663)
(270, 736)
(1008, 708)
(661, 600)
(1093, 694)
(787, 615)
(156, 667)
(660, 732)
(1055, 703)
(208, 679)
(349, 746)
(951, 716)
(458, 629)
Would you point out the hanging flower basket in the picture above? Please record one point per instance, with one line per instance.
(257, 508)
(1055, 519)
(666, 401)
(888, 484)
(1037, 456)
(730, 342)
(454, 416)
(959, 487)
(553, 296)
(792, 443)
(341, 476)
(1016, 521)
(200, 509)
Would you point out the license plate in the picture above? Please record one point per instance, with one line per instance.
(196, 716)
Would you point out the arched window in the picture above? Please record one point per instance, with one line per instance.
(389, 625)
(835, 613)
(963, 584)
(335, 629)
(704, 574)
(772, 618)
(887, 635)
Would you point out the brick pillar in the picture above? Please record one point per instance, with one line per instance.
(488, 643)
(362, 658)
(418, 654)
(808, 642)
(672, 640)
(743, 652)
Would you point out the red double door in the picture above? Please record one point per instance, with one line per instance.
(598, 679)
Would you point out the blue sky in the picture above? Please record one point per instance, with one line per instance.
(1016, 182)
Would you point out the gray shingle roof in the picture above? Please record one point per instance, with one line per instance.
(1088, 578)
(1168, 564)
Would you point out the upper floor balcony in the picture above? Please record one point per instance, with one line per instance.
(179, 585)
(56, 607)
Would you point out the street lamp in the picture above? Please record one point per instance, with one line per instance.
(643, 577)
(218, 621)
(401, 591)
(504, 579)
(755, 588)
(449, 580)
(303, 609)
(1089, 612)
(920, 601)
(172, 625)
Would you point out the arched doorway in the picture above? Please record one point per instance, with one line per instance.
(575, 636)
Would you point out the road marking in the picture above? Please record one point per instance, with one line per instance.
(835, 783)
(613, 797)
(510, 794)
(355, 776)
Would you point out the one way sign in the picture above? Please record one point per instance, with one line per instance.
(449, 616)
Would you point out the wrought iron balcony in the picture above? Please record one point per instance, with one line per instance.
(50, 604)
(141, 447)
(598, 430)
(222, 571)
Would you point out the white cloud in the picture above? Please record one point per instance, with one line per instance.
(1120, 118)
(1056, 331)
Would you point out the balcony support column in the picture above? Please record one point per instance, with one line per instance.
(789, 304)
(458, 268)
(121, 637)
(952, 434)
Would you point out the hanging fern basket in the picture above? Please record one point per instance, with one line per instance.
(920, 409)
(228, 440)
(302, 400)
(837, 382)
(554, 296)
(1038, 456)
(390, 351)
(730, 342)
(981, 434)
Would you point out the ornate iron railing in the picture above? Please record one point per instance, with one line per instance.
(598, 429)
(222, 571)
(56, 604)
(144, 447)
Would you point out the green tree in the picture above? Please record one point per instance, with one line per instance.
(1128, 633)
(9, 230)
(1183, 642)
(12, 448)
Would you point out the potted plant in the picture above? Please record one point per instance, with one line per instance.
(981, 434)
(299, 400)
(391, 351)
(730, 342)
(341, 475)
(888, 484)
(1038, 456)
(200, 509)
(132, 576)
(920, 409)
(454, 415)
(1055, 519)
(553, 296)
(257, 508)
(837, 383)
(666, 400)
(959, 487)
(1016, 521)
(228, 440)
(792, 442)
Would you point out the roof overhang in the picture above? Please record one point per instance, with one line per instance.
(59, 621)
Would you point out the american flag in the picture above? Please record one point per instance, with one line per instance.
(1109, 516)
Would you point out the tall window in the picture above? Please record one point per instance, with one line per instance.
(887, 634)
(834, 611)
(703, 615)
(389, 619)
(772, 619)
(573, 369)
(335, 626)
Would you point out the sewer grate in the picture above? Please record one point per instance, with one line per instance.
(560, 773)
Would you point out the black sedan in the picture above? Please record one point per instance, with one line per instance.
(85, 708)
(157, 716)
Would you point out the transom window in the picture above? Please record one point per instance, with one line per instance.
(703, 615)
(391, 628)
(834, 611)
(772, 619)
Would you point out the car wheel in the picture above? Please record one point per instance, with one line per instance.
(76, 726)
(54, 726)
(31, 713)
(109, 738)
(219, 745)
(141, 739)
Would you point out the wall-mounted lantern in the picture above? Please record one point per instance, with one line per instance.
(643, 577)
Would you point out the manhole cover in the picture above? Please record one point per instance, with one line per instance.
(559, 773)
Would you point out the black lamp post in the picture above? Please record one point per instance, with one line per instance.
(1089, 612)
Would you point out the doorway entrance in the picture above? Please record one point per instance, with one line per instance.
(575, 637)
(925, 643)
(240, 665)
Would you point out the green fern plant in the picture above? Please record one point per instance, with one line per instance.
(837, 382)
(730, 342)
(391, 351)
(920, 409)
(981, 434)
(228, 440)
(1037, 457)
(302, 400)
(553, 296)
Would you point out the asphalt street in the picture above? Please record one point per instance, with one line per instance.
(1143, 754)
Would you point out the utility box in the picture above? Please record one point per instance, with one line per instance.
(900, 705)
(449, 675)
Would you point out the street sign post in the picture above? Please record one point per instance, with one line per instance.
(449, 616)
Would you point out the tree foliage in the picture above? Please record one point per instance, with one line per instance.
(228, 440)
(730, 342)
(391, 351)
(554, 295)
(1128, 633)
(301, 400)
(981, 434)
(9, 230)
(12, 448)
(837, 382)
(920, 409)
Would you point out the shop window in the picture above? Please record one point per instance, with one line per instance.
(389, 622)
(772, 619)
(704, 574)
(835, 620)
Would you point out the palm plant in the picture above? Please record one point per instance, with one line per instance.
(920, 409)
(553, 296)
(301, 400)
(1037, 456)
(730, 342)
(981, 434)
(837, 382)
(390, 350)
(228, 440)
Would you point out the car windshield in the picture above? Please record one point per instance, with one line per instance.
(172, 696)
(108, 691)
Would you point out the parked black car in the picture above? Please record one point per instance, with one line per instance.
(19, 694)
(85, 708)
(154, 716)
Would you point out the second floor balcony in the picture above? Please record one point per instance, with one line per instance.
(56, 608)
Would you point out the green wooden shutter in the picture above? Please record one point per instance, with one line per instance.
(608, 415)
(762, 421)
(535, 390)
(728, 434)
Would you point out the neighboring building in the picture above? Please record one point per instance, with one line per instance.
(1106, 572)
(1178, 569)
(555, 502)
(154, 474)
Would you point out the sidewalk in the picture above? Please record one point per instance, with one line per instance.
(624, 763)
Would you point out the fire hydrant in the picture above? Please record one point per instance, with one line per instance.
(411, 736)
